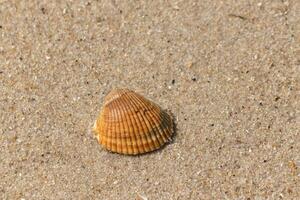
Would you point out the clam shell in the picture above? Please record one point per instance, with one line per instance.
(131, 124)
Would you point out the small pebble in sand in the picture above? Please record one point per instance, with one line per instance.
(141, 197)
(293, 167)
(189, 64)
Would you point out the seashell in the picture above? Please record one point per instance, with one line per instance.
(131, 124)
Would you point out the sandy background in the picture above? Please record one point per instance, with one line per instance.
(228, 70)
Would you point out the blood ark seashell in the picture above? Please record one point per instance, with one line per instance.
(131, 124)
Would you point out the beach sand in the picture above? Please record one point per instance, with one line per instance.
(227, 70)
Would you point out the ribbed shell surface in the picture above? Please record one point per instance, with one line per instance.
(131, 124)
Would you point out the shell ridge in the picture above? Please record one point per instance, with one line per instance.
(131, 121)
(164, 126)
(169, 125)
(154, 132)
(113, 95)
(124, 125)
(143, 130)
(131, 124)
(117, 126)
(141, 148)
(146, 129)
(152, 122)
(143, 133)
(102, 128)
(148, 125)
(112, 132)
(106, 130)
(158, 117)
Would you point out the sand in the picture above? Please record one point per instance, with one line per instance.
(227, 70)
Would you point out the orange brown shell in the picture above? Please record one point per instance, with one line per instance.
(131, 124)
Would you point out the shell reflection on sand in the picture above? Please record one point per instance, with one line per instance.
(130, 124)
